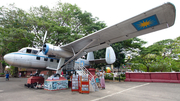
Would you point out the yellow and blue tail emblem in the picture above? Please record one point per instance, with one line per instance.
(146, 23)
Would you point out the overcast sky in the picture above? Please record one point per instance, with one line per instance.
(112, 12)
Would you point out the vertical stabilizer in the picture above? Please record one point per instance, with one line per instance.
(90, 56)
(110, 55)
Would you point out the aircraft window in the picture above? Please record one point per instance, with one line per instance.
(34, 51)
(37, 58)
(28, 51)
(22, 50)
(45, 59)
(51, 60)
(57, 61)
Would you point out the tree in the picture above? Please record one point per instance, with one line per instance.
(156, 56)
(14, 31)
(64, 23)
(176, 48)
(162, 64)
(121, 49)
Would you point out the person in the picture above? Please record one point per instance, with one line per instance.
(31, 74)
(7, 76)
(19, 74)
(98, 73)
(102, 81)
(98, 82)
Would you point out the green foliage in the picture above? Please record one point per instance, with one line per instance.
(98, 55)
(123, 75)
(63, 24)
(158, 57)
(106, 75)
(110, 77)
(14, 31)
(121, 48)
(2, 74)
(111, 74)
(121, 78)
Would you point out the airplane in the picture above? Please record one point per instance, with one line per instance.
(57, 57)
(34, 58)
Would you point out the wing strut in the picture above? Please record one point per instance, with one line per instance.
(61, 61)
(78, 53)
(73, 51)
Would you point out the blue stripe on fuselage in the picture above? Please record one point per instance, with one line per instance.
(34, 55)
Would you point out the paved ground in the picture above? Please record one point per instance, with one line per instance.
(14, 90)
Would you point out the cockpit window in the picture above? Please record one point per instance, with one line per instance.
(34, 51)
(28, 51)
(23, 50)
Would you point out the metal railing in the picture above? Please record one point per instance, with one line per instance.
(83, 71)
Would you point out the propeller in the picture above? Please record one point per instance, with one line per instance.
(44, 37)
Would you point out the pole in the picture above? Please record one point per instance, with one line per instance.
(119, 74)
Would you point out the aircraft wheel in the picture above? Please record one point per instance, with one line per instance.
(31, 86)
(34, 85)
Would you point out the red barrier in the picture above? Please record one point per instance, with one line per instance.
(153, 77)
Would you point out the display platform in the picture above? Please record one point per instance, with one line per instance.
(35, 82)
(56, 83)
(35, 79)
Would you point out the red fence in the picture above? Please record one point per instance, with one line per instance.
(153, 77)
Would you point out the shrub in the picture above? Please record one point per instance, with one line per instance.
(123, 75)
(2, 74)
(106, 77)
(116, 78)
(111, 74)
(121, 78)
(110, 78)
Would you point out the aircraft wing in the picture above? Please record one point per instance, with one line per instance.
(155, 19)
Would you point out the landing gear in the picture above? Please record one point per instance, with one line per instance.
(36, 74)
(57, 75)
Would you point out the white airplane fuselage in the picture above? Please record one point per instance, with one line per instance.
(36, 60)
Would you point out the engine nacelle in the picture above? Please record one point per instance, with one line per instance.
(49, 49)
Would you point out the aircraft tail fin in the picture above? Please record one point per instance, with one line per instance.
(90, 56)
(110, 55)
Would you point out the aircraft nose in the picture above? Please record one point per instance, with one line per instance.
(9, 58)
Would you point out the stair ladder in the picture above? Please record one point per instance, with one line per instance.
(84, 71)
